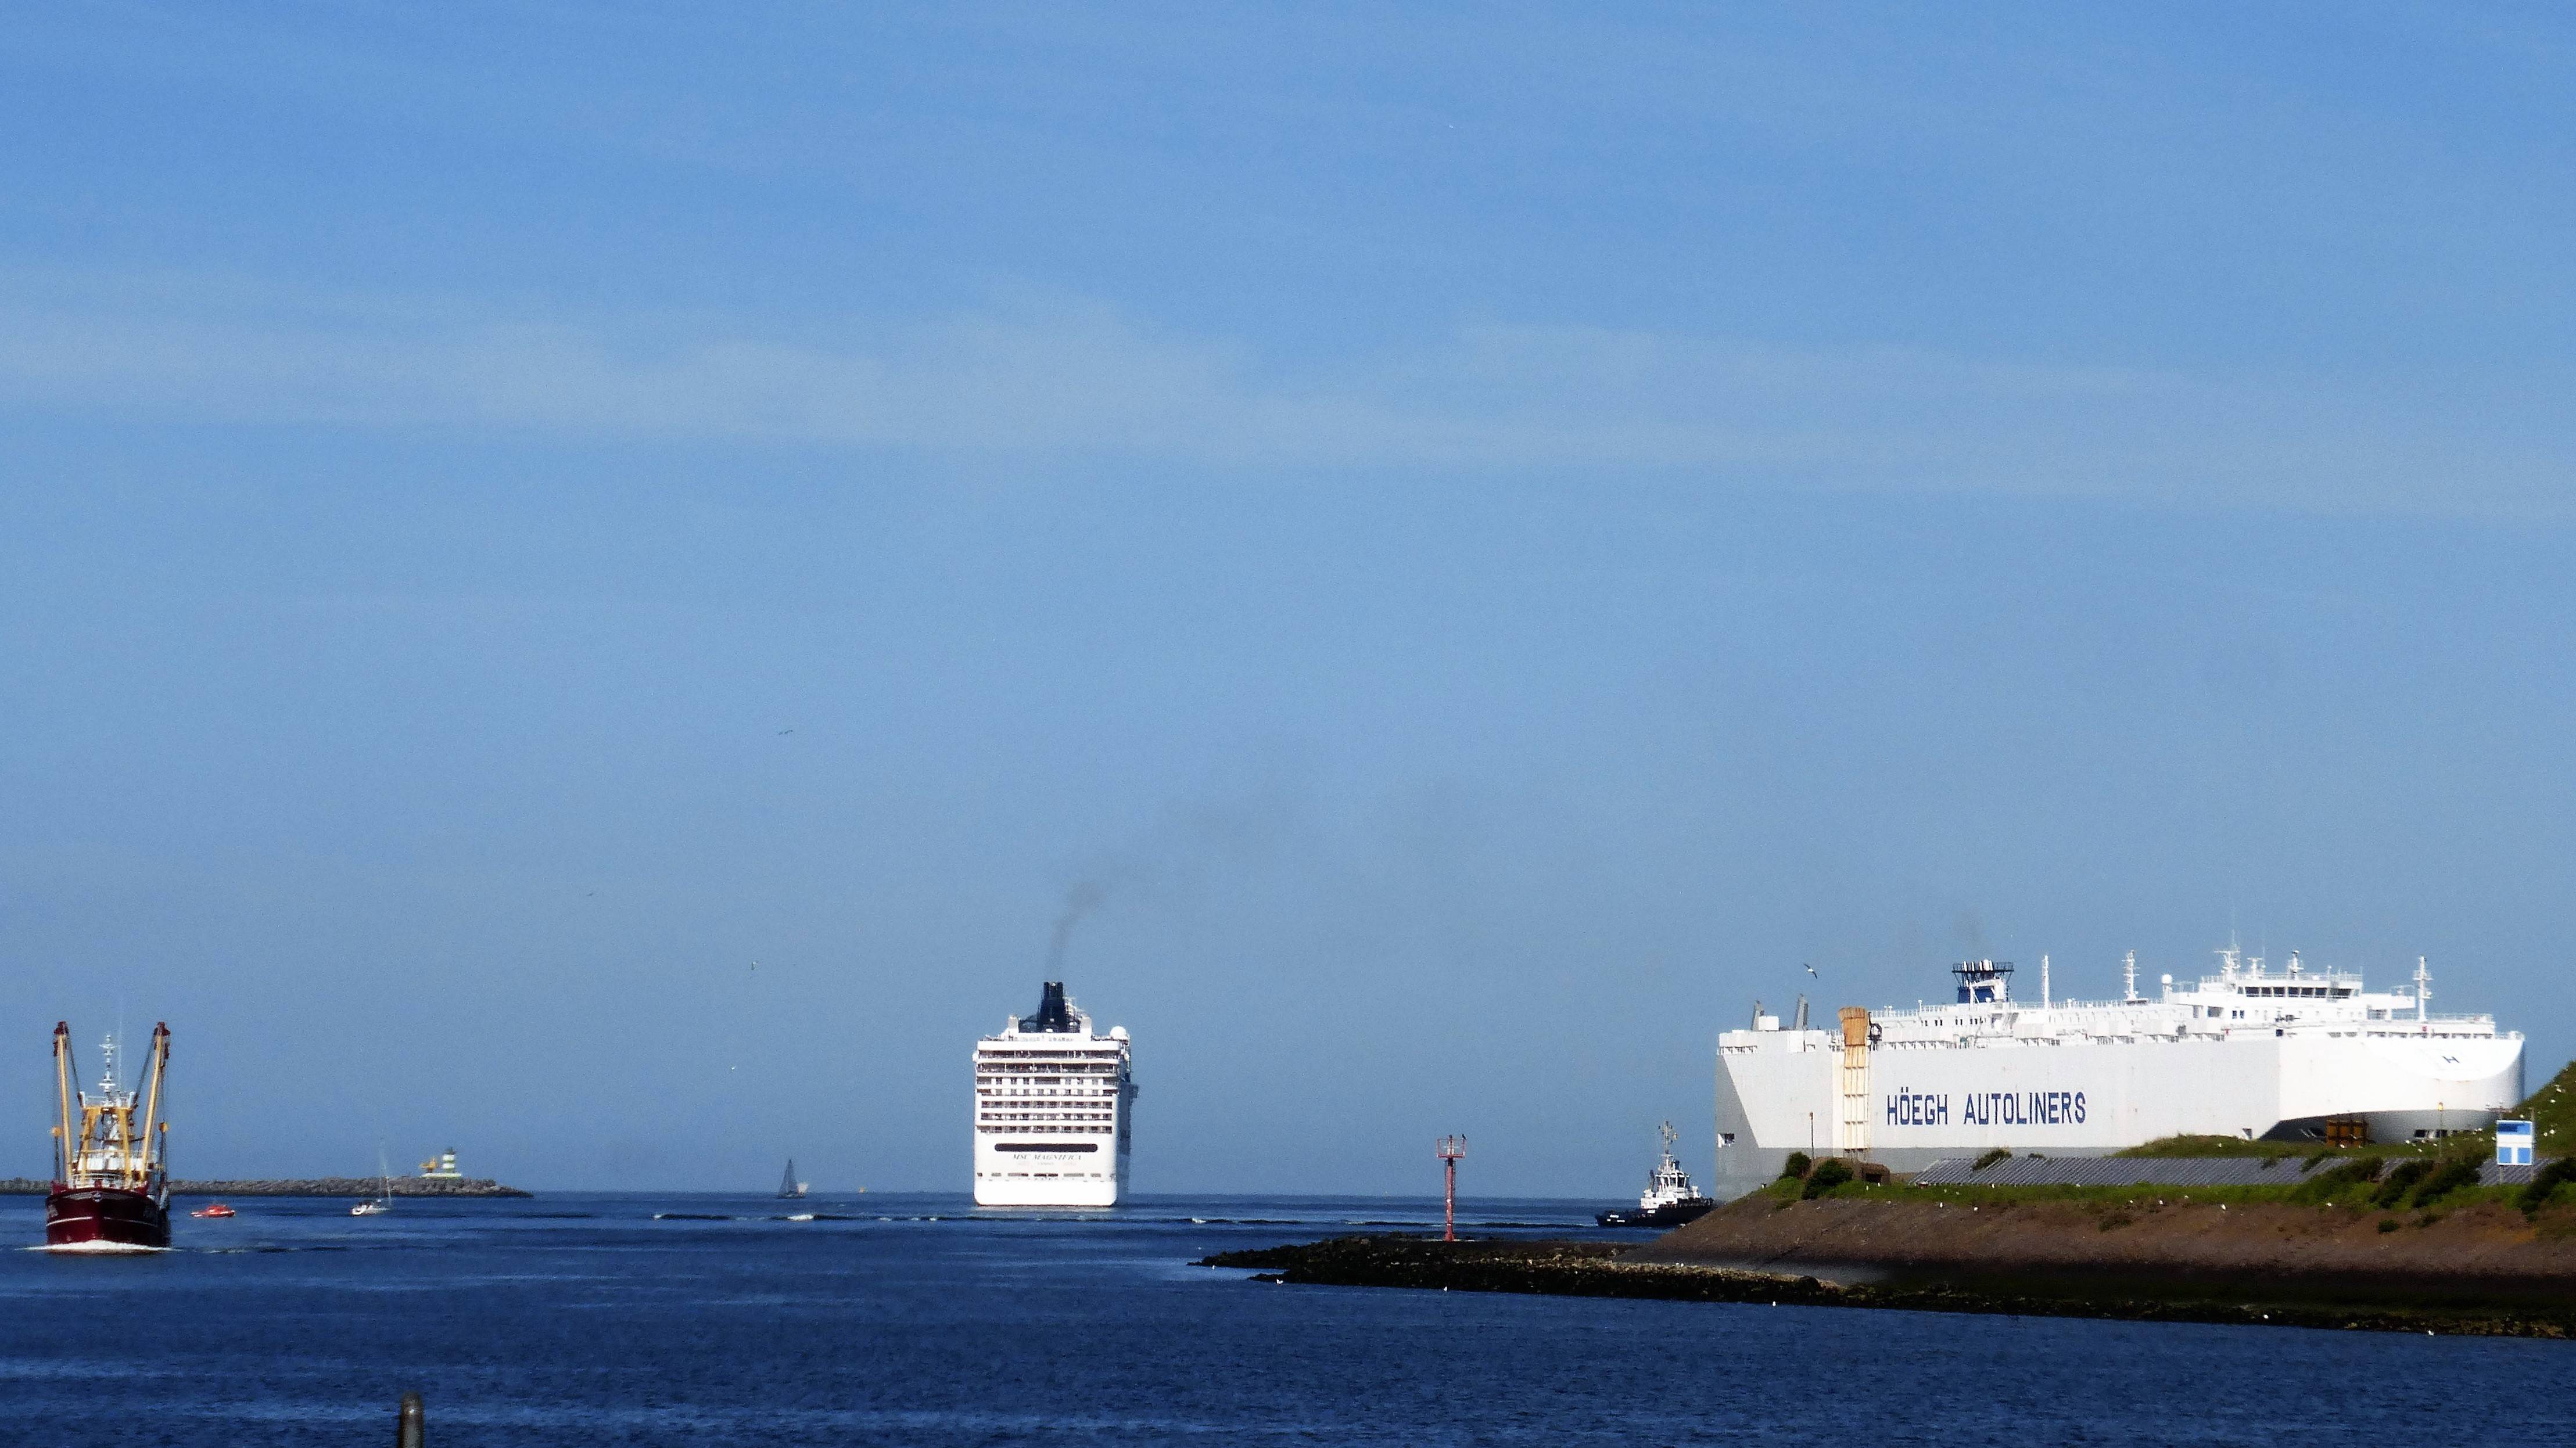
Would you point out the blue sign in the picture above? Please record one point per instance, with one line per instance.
(2513, 1143)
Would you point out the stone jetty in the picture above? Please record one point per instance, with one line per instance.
(310, 1187)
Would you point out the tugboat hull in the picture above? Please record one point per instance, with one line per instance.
(106, 1219)
(1671, 1214)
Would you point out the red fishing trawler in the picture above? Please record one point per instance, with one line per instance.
(111, 1192)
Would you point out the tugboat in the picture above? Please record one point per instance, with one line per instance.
(1669, 1199)
(110, 1192)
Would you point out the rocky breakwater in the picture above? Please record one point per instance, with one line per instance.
(350, 1187)
(1565, 1269)
(2169, 1242)
(311, 1187)
(1593, 1269)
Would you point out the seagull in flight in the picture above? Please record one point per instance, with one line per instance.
(1811, 970)
(785, 732)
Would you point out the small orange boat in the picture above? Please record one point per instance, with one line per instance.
(214, 1209)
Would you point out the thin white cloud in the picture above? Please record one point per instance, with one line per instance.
(1076, 379)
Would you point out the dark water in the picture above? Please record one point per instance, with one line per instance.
(583, 1320)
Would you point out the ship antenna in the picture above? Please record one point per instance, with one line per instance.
(2043, 980)
(2423, 993)
(2131, 977)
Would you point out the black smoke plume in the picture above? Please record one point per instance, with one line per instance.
(1085, 897)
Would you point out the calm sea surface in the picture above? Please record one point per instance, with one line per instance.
(917, 1320)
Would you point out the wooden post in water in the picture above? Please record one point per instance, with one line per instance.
(408, 1434)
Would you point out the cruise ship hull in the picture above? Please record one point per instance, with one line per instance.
(1049, 1181)
(105, 1219)
(1780, 1091)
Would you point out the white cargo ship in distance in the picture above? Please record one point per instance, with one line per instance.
(2282, 1054)
(1053, 1102)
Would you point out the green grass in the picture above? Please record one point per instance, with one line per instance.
(2356, 1196)
(2384, 1176)
(2551, 1110)
(1830, 1173)
(2552, 1113)
(2217, 1146)
(2426, 1187)
(2479, 1145)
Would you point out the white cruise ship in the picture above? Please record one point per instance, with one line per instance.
(2283, 1054)
(1053, 1101)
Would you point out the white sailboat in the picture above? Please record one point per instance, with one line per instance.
(383, 1200)
(789, 1187)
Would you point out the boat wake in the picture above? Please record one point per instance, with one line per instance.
(98, 1249)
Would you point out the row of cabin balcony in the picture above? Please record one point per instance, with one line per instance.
(1104, 1051)
(1044, 1116)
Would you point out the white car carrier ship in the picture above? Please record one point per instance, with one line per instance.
(1052, 1102)
(2289, 1054)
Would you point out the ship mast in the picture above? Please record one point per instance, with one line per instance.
(63, 1147)
(139, 1171)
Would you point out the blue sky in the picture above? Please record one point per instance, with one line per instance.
(1492, 535)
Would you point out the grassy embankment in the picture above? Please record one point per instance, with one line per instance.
(2422, 1178)
(2551, 1110)
(1601, 1269)
(2425, 1188)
